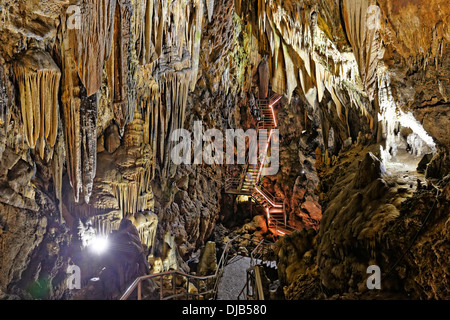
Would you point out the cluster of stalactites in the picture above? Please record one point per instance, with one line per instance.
(168, 36)
(303, 56)
(103, 40)
(133, 195)
(163, 26)
(93, 41)
(38, 79)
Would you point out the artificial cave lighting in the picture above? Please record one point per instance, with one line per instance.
(98, 244)
(418, 142)
(243, 198)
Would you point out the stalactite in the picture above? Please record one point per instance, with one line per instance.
(38, 78)
(58, 167)
(118, 66)
(171, 113)
(104, 224)
(320, 77)
(71, 111)
(80, 124)
(5, 100)
(263, 72)
(132, 193)
(291, 73)
(210, 8)
(144, 28)
(146, 224)
(93, 41)
(88, 114)
(196, 40)
(362, 23)
(279, 74)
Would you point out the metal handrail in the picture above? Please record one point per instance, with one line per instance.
(178, 272)
(137, 283)
(264, 108)
(283, 225)
(259, 251)
(276, 200)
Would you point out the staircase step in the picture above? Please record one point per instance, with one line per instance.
(277, 217)
(276, 214)
(280, 231)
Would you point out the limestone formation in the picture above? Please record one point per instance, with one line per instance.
(38, 79)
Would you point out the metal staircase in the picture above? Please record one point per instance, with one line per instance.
(248, 182)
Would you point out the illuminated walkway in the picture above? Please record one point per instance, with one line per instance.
(249, 182)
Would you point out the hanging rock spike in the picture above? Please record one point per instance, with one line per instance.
(38, 78)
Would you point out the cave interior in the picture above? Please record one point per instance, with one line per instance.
(224, 149)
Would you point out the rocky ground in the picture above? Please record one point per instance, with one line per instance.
(393, 219)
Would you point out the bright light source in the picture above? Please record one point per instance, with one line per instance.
(98, 244)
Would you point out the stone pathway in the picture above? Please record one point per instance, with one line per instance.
(234, 278)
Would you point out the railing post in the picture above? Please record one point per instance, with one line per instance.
(139, 293)
(187, 288)
(174, 283)
(161, 293)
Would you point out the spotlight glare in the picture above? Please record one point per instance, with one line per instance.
(99, 244)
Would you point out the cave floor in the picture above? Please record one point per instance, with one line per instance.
(401, 170)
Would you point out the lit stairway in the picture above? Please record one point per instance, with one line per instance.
(251, 176)
(275, 210)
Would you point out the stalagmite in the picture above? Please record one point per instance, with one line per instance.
(38, 77)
